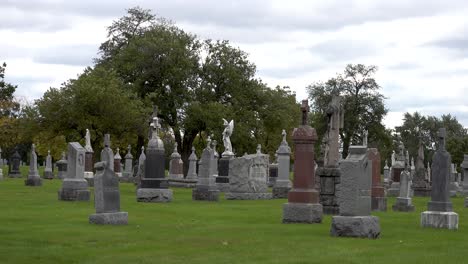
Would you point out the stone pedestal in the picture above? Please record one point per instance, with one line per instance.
(403, 204)
(379, 204)
(329, 179)
(302, 213)
(117, 218)
(355, 226)
(282, 183)
(154, 195)
(280, 192)
(62, 167)
(48, 174)
(222, 181)
(206, 188)
(436, 219)
(74, 186)
(205, 195)
(33, 181)
(33, 177)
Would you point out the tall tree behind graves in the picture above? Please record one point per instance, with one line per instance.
(363, 104)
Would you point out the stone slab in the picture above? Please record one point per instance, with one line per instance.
(73, 195)
(205, 195)
(117, 218)
(379, 204)
(183, 183)
(150, 195)
(49, 175)
(422, 192)
(222, 186)
(436, 219)
(33, 181)
(280, 192)
(247, 196)
(403, 204)
(355, 226)
(15, 175)
(302, 213)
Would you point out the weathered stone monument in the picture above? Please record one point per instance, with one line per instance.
(192, 170)
(127, 174)
(48, 173)
(14, 166)
(283, 183)
(117, 164)
(354, 198)
(420, 183)
(216, 159)
(387, 179)
(248, 177)
(89, 159)
(464, 167)
(206, 188)
(106, 191)
(398, 165)
(154, 185)
(454, 185)
(176, 165)
(403, 202)
(378, 199)
(141, 167)
(330, 173)
(222, 181)
(439, 212)
(74, 186)
(62, 167)
(303, 200)
(33, 176)
(272, 173)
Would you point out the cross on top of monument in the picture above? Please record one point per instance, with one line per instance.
(305, 110)
(155, 126)
(33, 148)
(442, 134)
(107, 140)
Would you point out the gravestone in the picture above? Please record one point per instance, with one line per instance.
(464, 167)
(117, 164)
(378, 199)
(62, 167)
(154, 185)
(127, 174)
(272, 174)
(403, 202)
(222, 181)
(439, 212)
(283, 183)
(329, 175)
(206, 188)
(398, 165)
(141, 167)
(74, 186)
(387, 179)
(354, 198)
(192, 170)
(420, 183)
(48, 173)
(14, 165)
(303, 199)
(454, 186)
(89, 160)
(216, 159)
(176, 166)
(106, 191)
(248, 177)
(33, 176)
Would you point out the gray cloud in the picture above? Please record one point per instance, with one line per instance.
(404, 66)
(343, 49)
(73, 55)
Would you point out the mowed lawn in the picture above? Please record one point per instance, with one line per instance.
(37, 228)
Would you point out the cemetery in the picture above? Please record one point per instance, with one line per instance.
(196, 160)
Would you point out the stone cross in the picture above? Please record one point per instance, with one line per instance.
(335, 115)
(305, 111)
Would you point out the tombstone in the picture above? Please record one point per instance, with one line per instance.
(272, 174)
(464, 167)
(222, 181)
(429, 174)
(420, 183)
(354, 198)
(192, 170)
(403, 202)
(48, 173)
(386, 175)
(248, 177)
(398, 165)
(33, 176)
(89, 160)
(62, 167)
(154, 185)
(216, 159)
(141, 167)
(127, 174)
(206, 188)
(378, 199)
(454, 186)
(74, 186)
(106, 191)
(176, 166)
(117, 164)
(303, 199)
(439, 212)
(14, 165)
(282, 183)
(1, 165)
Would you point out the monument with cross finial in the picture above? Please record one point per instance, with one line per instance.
(127, 174)
(89, 160)
(176, 165)
(33, 176)
(48, 173)
(283, 183)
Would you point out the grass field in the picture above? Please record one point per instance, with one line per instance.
(37, 228)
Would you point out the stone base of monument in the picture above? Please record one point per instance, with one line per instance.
(176, 177)
(183, 183)
(33, 181)
(329, 178)
(271, 181)
(61, 175)
(394, 190)
(153, 195)
(355, 226)
(126, 177)
(247, 196)
(379, 204)
(403, 204)
(422, 192)
(74, 190)
(117, 218)
(49, 175)
(302, 213)
(280, 192)
(205, 195)
(436, 219)
(15, 175)
(222, 186)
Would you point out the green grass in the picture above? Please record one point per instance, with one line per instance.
(37, 228)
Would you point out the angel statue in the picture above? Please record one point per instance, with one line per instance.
(228, 128)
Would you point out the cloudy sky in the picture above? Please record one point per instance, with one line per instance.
(421, 48)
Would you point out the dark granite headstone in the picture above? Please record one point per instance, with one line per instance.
(14, 166)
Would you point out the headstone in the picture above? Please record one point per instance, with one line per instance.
(439, 212)
(403, 202)
(248, 177)
(354, 198)
(106, 191)
(127, 174)
(283, 183)
(420, 183)
(141, 167)
(89, 160)
(33, 176)
(117, 164)
(222, 181)
(272, 174)
(216, 159)
(192, 170)
(206, 188)
(14, 165)
(303, 200)
(154, 185)
(48, 173)
(176, 165)
(454, 186)
(429, 174)
(62, 167)
(386, 175)
(464, 167)
(74, 186)
(378, 199)
(398, 165)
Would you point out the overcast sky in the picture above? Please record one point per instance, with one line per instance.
(421, 48)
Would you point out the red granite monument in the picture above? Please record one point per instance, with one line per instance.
(378, 199)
